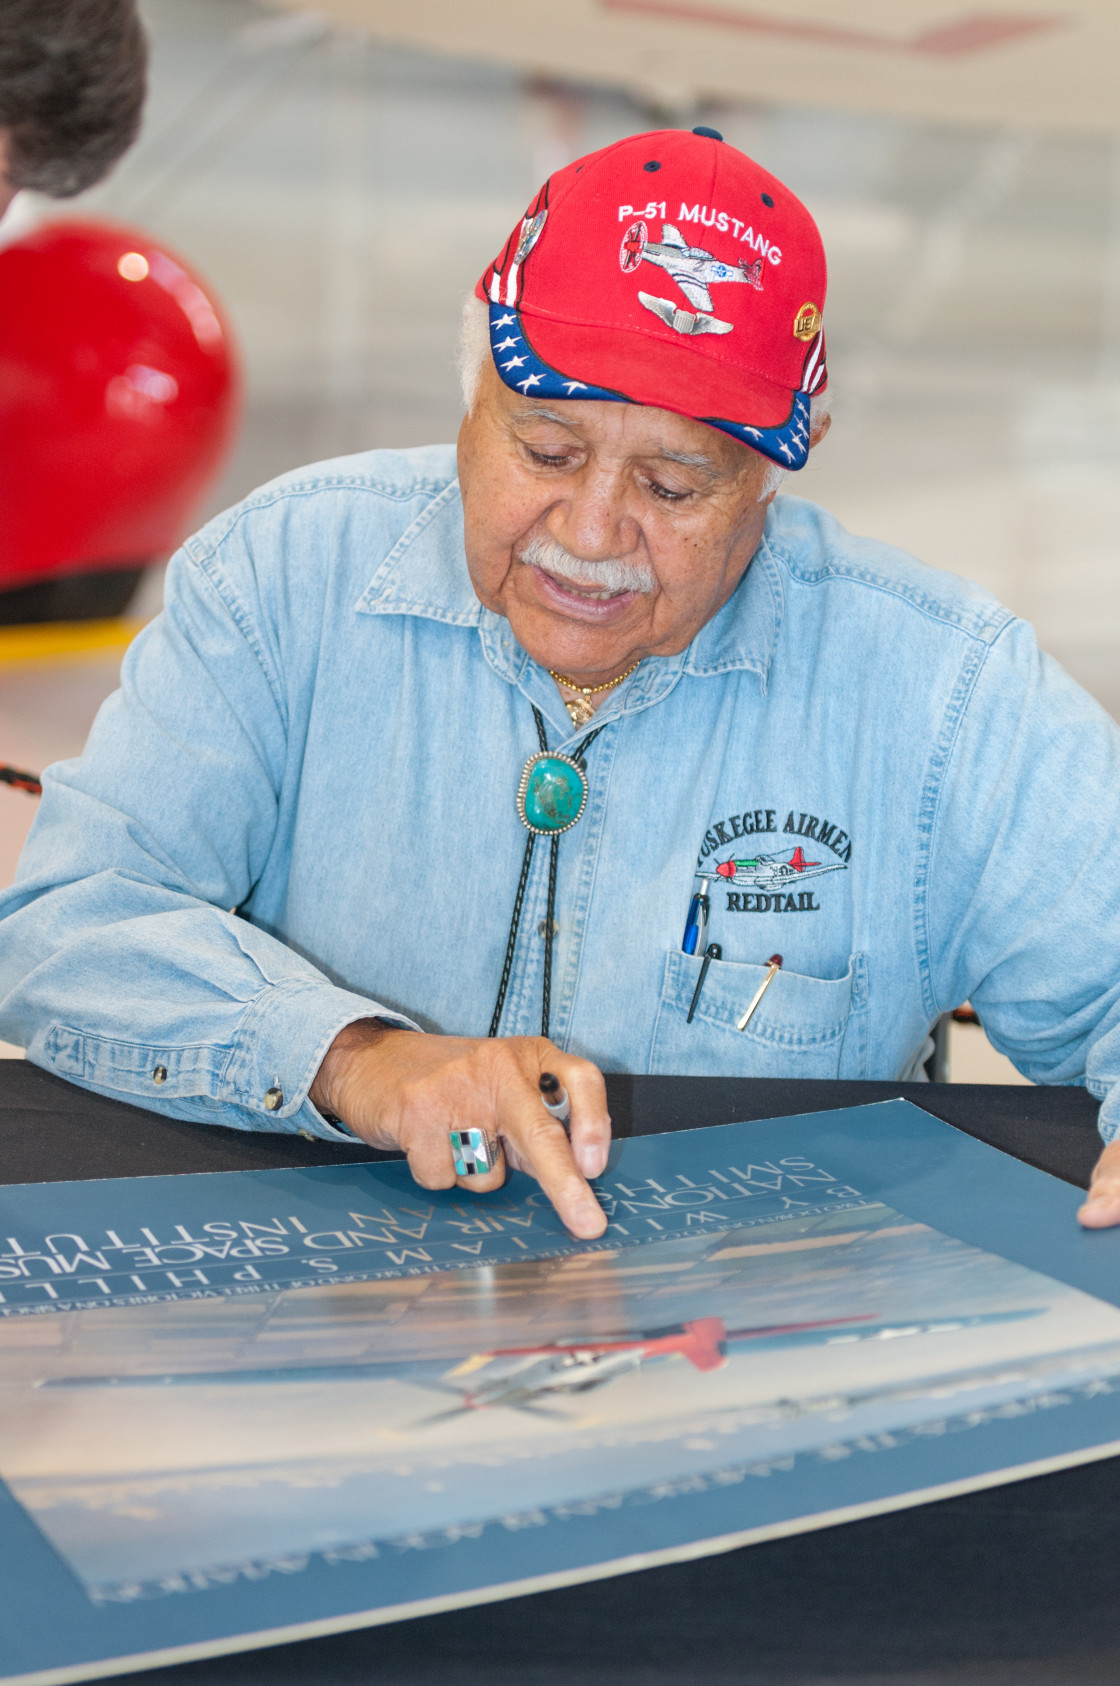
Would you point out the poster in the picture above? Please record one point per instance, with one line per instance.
(290, 1402)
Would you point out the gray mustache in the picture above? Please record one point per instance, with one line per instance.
(614, 573)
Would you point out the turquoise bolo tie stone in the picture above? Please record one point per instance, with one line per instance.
(552, 794)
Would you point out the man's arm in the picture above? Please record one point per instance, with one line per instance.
(123, 968)
(122, 964)
(1023, 909)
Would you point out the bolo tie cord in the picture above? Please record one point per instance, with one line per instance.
(20, 781)
(519, 900)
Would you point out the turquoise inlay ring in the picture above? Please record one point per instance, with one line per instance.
(552, 794)
(474, 1152)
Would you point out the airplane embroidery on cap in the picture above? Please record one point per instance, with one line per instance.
(694, 270)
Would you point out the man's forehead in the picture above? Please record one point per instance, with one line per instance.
(640, 427)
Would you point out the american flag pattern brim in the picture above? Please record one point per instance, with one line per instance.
(524, 371)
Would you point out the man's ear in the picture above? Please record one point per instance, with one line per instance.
(820, 430)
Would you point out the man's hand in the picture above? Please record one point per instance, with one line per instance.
(398, 1089)
(1102, 1205)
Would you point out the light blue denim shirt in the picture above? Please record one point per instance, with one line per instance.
(325, 729)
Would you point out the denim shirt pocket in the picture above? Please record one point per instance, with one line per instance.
(802, 1027)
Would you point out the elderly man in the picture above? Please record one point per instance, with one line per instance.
(464, 754)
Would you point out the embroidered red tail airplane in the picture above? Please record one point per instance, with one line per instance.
(798, 862)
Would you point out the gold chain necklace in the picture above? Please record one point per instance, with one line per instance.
(579, 709)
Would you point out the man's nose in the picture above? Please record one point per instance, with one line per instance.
(592, 520)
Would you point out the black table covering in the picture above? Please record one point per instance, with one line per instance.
(1017, 1586)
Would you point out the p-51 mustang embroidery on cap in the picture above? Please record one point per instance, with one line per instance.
(694, 270)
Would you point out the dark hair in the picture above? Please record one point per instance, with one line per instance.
(73, 75)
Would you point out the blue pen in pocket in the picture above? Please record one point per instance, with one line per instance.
(696, 925)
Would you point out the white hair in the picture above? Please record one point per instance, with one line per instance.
(474, 348)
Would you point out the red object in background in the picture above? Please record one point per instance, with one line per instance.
(118, 400)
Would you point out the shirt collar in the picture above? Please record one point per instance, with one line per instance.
(426, 574)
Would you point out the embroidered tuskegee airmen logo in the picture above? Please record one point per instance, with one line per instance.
(694, 270)
(771, 881)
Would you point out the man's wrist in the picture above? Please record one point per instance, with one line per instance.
(324, 1093)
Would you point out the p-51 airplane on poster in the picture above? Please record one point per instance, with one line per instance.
(523, 1378)
(527, 1378)
(569, 1364)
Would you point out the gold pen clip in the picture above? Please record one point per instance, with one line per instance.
(773, 967)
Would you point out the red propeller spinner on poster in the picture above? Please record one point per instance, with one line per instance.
(118, 400)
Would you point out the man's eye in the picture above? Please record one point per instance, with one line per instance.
(545, 459)
(666, 493)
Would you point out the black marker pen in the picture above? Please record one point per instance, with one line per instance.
(554, 1098)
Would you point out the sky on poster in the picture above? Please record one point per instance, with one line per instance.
(150, 1441)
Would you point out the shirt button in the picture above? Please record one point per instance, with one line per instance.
(274, 1099)
(159, 1075)
(307, 1136)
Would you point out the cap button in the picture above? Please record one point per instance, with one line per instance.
(712, 134)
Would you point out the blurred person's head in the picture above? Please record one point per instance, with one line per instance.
(72, 82)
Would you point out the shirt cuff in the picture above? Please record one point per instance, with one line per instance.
(1108, 1119)
(283, 1041)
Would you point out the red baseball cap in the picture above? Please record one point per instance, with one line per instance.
(670, 270)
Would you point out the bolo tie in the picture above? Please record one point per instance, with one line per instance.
(551, 798)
